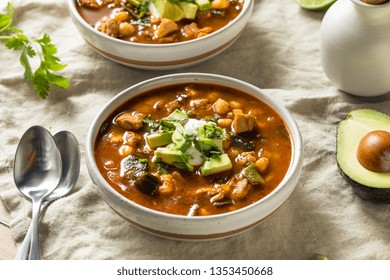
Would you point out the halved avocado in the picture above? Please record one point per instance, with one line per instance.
(367, 184)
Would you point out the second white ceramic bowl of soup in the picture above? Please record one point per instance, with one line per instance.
(195, 227)
(162, 56)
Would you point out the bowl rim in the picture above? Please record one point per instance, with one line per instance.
(73, 10)
(371, 6)
(295, 135)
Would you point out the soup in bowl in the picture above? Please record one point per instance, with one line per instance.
(146, 34)
(158, 21)
(194, 156)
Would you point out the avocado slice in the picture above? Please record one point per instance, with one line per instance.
(210, 138)
(203, 4)
(167, 9)
(177, 115)
(367, 184)
(189, 9)
(216, 165)
(172, 157)
(159, 139)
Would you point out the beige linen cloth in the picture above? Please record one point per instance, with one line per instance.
(278, 52)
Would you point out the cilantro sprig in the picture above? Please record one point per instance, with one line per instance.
(41, 48)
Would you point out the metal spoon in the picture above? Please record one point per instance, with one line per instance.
(37, 171)
(70, 154)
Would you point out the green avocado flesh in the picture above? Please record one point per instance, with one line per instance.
(368, 184)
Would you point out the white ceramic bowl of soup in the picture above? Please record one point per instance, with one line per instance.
(196, 227)
(162, 56)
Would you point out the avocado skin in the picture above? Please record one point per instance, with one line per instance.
(381, 195)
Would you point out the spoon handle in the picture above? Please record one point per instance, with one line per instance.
(24, 250)
(25, 247)
(34, 249)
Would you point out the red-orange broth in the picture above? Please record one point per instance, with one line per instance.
(120, 19)
(183, 192)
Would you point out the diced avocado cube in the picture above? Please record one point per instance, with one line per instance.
(167, 125)
(210, 139)
(169, 156)
(212, 131)
(172, 157)
(159, 139)
(167, 9)
(189, 9)
(203, 4)
(216, 143)
(209, 146)
(216, 165)
(251, 173)
(177, 114)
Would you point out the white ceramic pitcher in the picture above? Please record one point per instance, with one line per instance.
(355, 47)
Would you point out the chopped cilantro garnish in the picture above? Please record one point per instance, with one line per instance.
(166, 126)
(151, 124)
(190, 112)
(141, 22)
(215, 154)
(177, 1)
(215, 118)
(183, 165)
(44, 75)
(162, 167)
(207, 148)
(210, 130)
(143, 9)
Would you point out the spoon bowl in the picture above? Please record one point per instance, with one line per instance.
(37, 164)
(37, 172)
(68, 146)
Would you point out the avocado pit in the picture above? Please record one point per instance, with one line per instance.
(373, 151)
